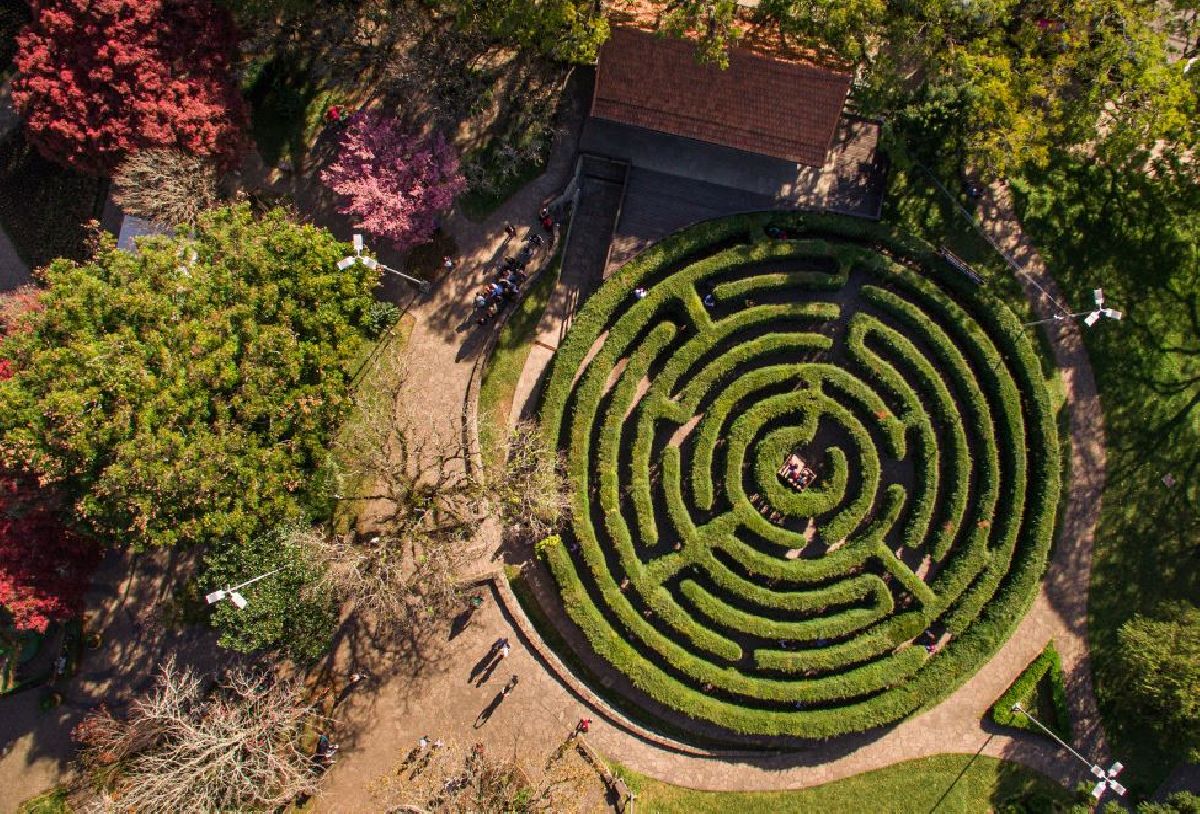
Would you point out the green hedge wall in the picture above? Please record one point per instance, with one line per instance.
(715, 587)
(1046, 667)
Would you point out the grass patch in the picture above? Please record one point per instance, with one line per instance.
(287, 105)
(504, 366)
(44, 207)
(506, 178)
(52, 802)
(379, 373)
(942, 783)
(1135, 235)
(425, 261)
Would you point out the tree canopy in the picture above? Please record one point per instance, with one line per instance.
(44, 567)
(98, 80)
(289, 609)
(187, 392)
(394, 183)
(1020, 79)
(564, 30)
(1159, 662)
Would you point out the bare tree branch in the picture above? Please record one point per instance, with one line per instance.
(183, 747)
(168, 187)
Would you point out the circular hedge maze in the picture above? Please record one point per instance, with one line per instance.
(724, 585)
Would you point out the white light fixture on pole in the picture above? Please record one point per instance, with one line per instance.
(372, 263)
(1107, 777)
(1090, 318)
(236, 598)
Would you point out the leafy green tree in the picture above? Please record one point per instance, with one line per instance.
(287, 610)
(1026, 77)
(187, 392)
(564, 30)
(1181, 802)
(1159, 671)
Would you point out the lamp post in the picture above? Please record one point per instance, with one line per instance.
(372, 263)
(1090, 318)
(1107, 777)
(236, 598)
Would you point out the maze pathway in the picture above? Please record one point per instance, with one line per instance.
(719, 589)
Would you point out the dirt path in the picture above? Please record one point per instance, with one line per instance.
(546, 707)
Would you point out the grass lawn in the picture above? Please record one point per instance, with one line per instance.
(504, 367)
(1136, 237)
(52, 802)
(380, 376)
(477, 204)
(44, 207)
(942, 784)
(287, 106)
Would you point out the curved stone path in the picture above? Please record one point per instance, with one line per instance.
(442, 701)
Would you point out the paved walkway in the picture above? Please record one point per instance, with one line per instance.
(441, 362)
(13, 271)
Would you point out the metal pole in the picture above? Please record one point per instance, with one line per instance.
(1061, 742)
(1007, 257)
(422, 285)
(256, 579)
(1058, 318)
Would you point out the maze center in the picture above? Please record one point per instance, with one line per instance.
(812, 477)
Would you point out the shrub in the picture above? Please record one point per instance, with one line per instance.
(1047, 667)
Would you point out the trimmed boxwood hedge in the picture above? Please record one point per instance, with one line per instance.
(1046, 667)
(697, 572)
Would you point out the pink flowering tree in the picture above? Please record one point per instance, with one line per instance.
(394, 184)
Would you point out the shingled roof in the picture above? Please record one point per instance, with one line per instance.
(784, 109)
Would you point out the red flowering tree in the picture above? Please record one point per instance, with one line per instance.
(44, 567)
(99, 79)
(395, 183)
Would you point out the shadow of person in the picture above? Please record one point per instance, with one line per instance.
(490, 709)
(487, 673)
(495, 703)
(488, 662)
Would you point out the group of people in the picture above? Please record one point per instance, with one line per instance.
(506, 287)
(796, 473)
(763, 506)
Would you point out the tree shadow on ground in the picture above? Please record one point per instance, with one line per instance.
(1133, 233)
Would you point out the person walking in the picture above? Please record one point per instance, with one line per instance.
(583, 726)
(510, 230)
(448, 263)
